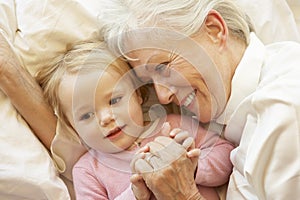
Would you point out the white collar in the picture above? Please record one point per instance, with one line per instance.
(246, 77)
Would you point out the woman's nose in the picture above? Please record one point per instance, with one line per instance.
(105, 116)
(164, 93)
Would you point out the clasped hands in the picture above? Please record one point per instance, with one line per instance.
(164, 168)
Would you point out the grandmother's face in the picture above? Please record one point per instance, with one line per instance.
(176, 80)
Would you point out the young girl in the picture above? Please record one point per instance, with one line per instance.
(96, 94)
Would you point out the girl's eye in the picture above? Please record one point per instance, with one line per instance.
(163, 69)
(87, 116)
(115, 100)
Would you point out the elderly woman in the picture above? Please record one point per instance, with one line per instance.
(204, 56)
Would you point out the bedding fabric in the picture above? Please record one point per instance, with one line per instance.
(26, 169)
(38, 31)
(274, 20)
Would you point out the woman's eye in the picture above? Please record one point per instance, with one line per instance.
(87, 116)
(115, 100)
(162, 69)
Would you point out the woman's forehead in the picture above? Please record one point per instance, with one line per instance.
(147, 56)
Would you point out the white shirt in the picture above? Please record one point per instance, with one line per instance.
(263, 118)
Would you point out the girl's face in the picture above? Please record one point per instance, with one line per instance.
(104, 109)
(175, 80)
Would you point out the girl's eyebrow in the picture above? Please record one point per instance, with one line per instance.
(116, 91)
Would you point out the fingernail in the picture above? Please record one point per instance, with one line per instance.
(165, 126)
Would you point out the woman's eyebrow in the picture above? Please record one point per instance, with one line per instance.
(153, 57)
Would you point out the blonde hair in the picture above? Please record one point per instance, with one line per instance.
(183, 16)
(83, 57)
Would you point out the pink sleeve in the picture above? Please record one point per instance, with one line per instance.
(86, 185)
(126, 195)
(214, 165)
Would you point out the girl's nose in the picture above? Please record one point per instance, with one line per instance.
(105, 116)
(164, 93)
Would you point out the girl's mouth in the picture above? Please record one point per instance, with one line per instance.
(114, 133)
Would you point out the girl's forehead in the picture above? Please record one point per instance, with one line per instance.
(75, 85)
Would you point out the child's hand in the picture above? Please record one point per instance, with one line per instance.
(139, 187)
(182, 137)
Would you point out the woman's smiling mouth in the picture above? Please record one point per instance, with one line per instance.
(189, 99)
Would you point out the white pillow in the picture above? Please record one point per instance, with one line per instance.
(48, 28)
(26, 169)
(39, 30)
(274, 20)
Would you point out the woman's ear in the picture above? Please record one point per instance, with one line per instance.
(216, 28)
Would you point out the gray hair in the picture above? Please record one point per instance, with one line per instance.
(183, 16)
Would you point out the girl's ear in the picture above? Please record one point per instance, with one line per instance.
(139, 96)
(142, 94)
